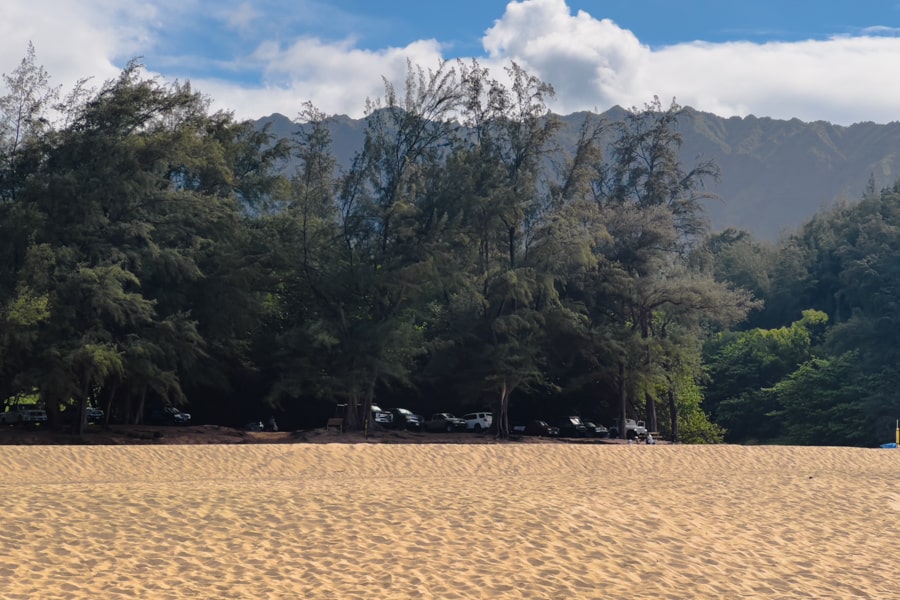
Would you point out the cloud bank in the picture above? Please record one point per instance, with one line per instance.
(246, 63)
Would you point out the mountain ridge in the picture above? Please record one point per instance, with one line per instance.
(775, 174)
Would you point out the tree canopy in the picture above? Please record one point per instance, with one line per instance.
(156, 253)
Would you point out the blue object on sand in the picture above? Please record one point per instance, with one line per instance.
(891, 445)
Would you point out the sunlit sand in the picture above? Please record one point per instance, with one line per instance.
(448, 521)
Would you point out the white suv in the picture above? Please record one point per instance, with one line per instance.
(478, 421)
(382, 417)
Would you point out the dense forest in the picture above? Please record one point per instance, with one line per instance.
(153, 253)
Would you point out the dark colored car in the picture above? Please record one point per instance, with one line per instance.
(405, 419)
(570, 426)
(596, 431)
(541, 429)
(445, 422)
(169, 415)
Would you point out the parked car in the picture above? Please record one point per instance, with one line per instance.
(596, 431)
(445, 422)
(405, 419)
(169, 415)
(633, 429)
(93, 415)
(24, 414)
(541, 429)
(478, 421)
(571, 426)
(381, 416)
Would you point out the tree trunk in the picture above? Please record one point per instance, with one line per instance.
(623, 400)
(673, 414)
(503, 412)
(107, 408)
(139, 414)
(52, 408)
(651, 414)
(359, 414)
(354, 411)
(80, 410)
(126, 408)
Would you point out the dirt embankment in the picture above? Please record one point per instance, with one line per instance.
(216, 434)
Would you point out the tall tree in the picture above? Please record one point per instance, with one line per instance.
(654, 219)
(131, 198)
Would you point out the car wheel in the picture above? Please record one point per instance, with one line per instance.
(477, 427)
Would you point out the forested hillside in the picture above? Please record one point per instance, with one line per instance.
(153, 253)
(775, 174)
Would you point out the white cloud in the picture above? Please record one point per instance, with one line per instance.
(72, 40)
(595, 63)
(242, 17)
(881, 30)
(592, 62)
(336, 77)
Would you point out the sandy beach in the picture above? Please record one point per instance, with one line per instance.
(448, 521)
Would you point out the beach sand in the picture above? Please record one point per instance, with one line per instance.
(440, 521)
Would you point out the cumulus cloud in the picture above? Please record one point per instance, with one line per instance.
(592, 62)
(595, 63)
(74, 39)
(336, 77)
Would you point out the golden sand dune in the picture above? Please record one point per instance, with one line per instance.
(448, 521)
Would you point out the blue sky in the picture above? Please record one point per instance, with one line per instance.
(833, 61)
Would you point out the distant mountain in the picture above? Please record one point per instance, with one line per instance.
(775, 174)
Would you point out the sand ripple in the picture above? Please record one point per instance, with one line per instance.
(447, 521)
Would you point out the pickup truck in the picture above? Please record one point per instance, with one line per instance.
(26, 415)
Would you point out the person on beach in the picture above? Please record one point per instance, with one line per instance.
(273, 426)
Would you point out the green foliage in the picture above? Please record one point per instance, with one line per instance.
(694, 425)
(743, 366)
(152, 252)
(821, 403)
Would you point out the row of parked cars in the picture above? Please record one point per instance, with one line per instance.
(402, 418)
(567, 426)
(31, 415)
(564, 426)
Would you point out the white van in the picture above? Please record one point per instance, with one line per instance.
(478, 421)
